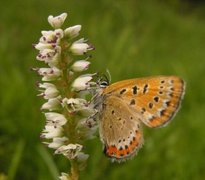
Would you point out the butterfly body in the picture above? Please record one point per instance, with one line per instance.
(126, 105)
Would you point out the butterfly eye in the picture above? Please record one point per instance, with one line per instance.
(104, 84)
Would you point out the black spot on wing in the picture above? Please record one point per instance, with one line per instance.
(132, 102)
(122, 91)
(156, 99)
(145, 88)
(134, 89)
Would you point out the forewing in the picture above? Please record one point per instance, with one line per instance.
(119, 129)
(155, 99)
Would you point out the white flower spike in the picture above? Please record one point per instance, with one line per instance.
(68, 111)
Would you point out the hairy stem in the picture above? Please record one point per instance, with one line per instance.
(74, 175)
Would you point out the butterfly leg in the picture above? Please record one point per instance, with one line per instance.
(92, 119)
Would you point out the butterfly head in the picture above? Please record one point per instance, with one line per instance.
(103, 81)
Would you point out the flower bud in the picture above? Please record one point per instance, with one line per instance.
(45, 85)
(55, 118)
(49, 74)
(51, 93)
(80, 65)
(75, 104)
(80, 47)
(41, 46)
(70, 151)
(57, 21)
(46, 55)
(52, 104)
(51, 132)
(73, 31)
(82, 83)
(57, 142)
(51, 37)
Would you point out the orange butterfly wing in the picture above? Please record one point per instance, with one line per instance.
(157, 99)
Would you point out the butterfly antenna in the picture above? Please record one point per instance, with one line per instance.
(109, 75)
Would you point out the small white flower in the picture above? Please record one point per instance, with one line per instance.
(75, 104)
(59, 33)
(55, 118)
(80, 47)
(50, 93)
(64, 176)
(57, 142)
(45, 85)
(46, 55)
(41, 46)
(51, 132)
(54, 62)
(50, 90)
(49, 74)
(51, 37)
(70, 151)
(73, 31)
(52, 104)
(50, 56)
(82, 83)
(80, 65)
(57, 21)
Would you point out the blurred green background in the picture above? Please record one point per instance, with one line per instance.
(132, 39)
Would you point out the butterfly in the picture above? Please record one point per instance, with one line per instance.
(126, 105)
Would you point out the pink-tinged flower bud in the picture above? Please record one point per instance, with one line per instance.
(52, 104)
(82, 83)
(70, 151)
(57, 142)
(80, 47)
(55, 118)
(73, 31)
(51, 132)
(80, 65)
(57, 21)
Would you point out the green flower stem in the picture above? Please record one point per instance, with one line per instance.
(70, 127)
(74, 175)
